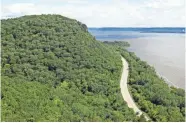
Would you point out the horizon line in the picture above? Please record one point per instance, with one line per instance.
(139, 27)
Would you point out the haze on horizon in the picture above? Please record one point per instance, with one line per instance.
(105, 13)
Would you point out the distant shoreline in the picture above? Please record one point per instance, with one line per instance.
(179, 30)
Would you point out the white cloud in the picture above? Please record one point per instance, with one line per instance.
(107, 13)
(165, 3)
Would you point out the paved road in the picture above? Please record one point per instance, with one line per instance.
(124, 89)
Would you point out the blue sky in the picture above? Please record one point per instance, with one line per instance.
(104, 13)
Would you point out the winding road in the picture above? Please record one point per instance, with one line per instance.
(125, 92)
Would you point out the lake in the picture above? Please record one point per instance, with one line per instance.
(163, 48)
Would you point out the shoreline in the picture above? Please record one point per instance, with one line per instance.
(166, 79)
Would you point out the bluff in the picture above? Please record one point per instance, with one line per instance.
(54, 70)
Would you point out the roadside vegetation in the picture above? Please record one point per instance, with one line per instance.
(151, 93)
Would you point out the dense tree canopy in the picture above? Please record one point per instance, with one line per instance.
(54, 70)
(151, 93)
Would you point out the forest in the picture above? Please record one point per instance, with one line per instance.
(151, 93)
(54, 70)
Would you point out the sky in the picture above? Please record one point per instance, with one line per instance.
(104, 13)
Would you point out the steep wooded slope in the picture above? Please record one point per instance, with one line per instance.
(54, 70)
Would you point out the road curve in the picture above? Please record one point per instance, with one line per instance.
(124, 89)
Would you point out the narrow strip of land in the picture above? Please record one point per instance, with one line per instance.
(124, 89)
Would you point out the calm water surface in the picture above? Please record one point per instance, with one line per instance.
(166, 52)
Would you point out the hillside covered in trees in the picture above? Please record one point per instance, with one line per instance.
(151, 93)
(54, 70)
